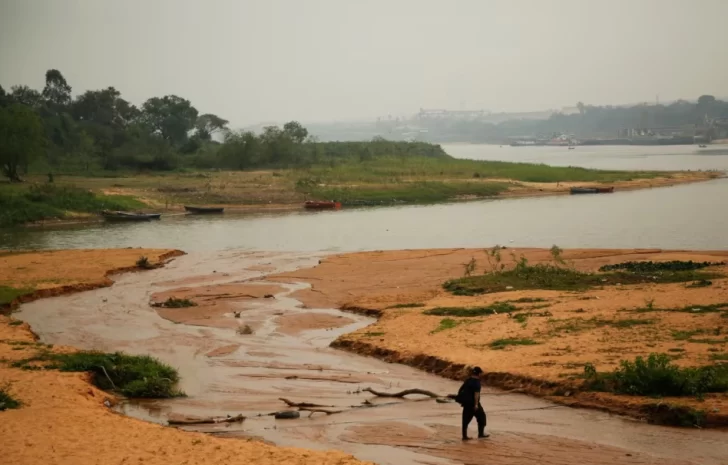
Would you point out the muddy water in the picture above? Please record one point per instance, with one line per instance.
(224, 372)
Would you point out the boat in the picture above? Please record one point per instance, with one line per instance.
(126, 216)
(321, 205)
(592, 190)
(191, 209)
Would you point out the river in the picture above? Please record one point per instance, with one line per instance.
(681, 217)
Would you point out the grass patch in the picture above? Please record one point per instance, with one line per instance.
(16, 323)
(408, 305)
(9, 294)
(373, 334)
(650, 267)
(575, 325)
(174, 302)
(676, 349)
(551, 277)
(135, 376)
(523, 317)
(684, 335)
(446, 323)
(527, 300)
(719, 357)
(492, 309)
(658, 376)
(7, 401)
(711, 308)
(23, 203)
(500, 344)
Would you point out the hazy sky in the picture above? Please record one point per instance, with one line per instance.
(317, 60)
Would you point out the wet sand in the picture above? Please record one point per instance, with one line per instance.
(225, 372)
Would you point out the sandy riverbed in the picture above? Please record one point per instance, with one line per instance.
(560, 323)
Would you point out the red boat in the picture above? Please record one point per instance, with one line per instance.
(322, 205)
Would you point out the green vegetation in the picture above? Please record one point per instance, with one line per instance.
(719, 357)
(523, 317)
(657, 376)
(16, 322)
(408, 305)
(575, 325)
(135, 376)
(373, 334)
(675, 415)
(174, 302)
(686, 335)
(649, 267)
(7, 401)
(500, 344)
(527, 300)
(143, 262)
(492, 309)
(21, 203)
(9, 294)
(554, 277)
(446, 323)
(711, 308)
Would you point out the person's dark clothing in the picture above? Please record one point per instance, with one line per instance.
(470, 410)
(468, 413)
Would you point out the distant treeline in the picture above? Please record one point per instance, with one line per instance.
(589, 121)
(52, 131)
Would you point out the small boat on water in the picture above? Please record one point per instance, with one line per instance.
(126, 216)
(202, 210)
(592, 190)
(321, 205)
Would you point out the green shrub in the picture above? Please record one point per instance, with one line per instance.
(446, 323)
(649, 267)
(174, 302)
(492, 309)
(408, 305)
(499, 344)
(7, 401)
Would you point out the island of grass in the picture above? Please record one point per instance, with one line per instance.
(353, 173)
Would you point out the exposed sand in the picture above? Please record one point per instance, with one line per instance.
(57, 272)
(295, 323)
(63, 419)
(567, 337)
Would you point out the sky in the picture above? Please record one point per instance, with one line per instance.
(253, 61)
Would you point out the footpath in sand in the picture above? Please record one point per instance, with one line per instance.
(560, 331)
(63, 419)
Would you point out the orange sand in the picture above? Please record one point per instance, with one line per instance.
(295, 323)
(567, 337)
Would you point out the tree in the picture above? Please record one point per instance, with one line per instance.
(21, 139)
(581, 107)
(295, 131)
(56, 91)
(170, 116)
(208, 124)
(4, 99)
(26, 96)
(104, 107)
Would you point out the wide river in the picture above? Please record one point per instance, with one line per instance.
(682, 217)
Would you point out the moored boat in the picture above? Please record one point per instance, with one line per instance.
(592, 190)
(126, 216)
(192, 209)
(321, 204)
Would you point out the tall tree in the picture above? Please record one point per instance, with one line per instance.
(56, 90)
(295, 131)
(209, 124)
(170, 116)
(104, 107)
(21, 139)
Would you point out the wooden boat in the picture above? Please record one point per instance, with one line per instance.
(321, 204)
(592, 190)
(191, 209)
(126, 216)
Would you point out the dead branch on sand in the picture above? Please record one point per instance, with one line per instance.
(205, 421)
(319, 410)
(301, 404)
(404, 393)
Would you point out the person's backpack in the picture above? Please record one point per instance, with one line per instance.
(462, 395)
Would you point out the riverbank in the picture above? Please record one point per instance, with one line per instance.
(380, 182)
(542, 344)
(63, 418)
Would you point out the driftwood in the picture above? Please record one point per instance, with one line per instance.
(404, 393)
(319, 410)
(302, 404)
(206, 421)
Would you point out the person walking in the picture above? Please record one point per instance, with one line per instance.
(469, 397)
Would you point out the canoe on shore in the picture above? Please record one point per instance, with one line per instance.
(321, 204)
(126, 216)
(192, 209)
(592, 190)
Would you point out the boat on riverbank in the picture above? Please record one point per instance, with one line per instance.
(203, 210)
(321, 205)
(592, 190)
(126, 216)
